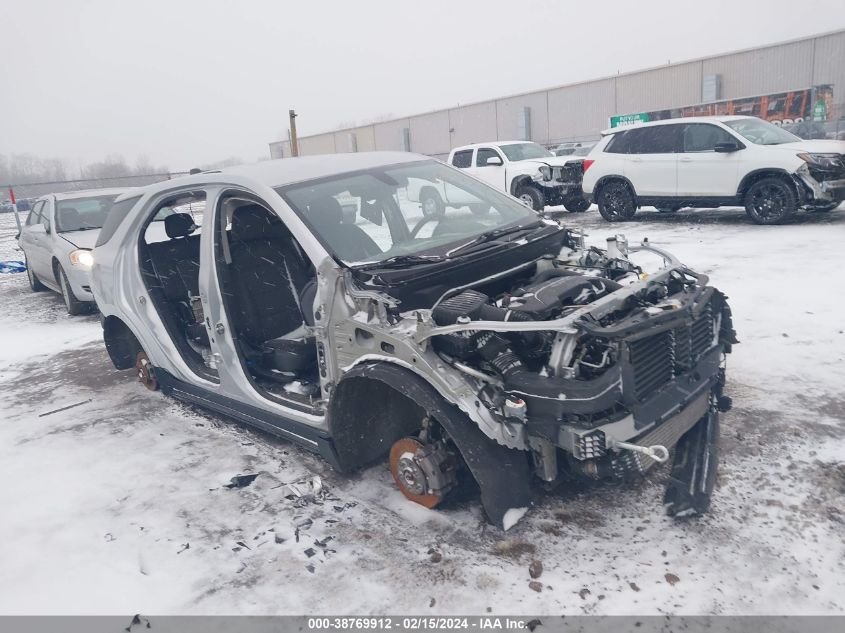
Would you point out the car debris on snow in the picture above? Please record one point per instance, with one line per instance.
(241, 481)
(65, 408)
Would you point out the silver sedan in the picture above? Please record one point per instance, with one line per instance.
(60, 232)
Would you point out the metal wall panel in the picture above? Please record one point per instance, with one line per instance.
(471, 124)
(387, 135)
(667, 87)
(507, 116)
(580, 112)
(364, 137)
(279, 149)
(763, 70)
(430, 133)
(317, 144)
(830, 64)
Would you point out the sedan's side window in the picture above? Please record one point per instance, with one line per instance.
(44, 216)
(483, 154)
(33, 217)
(703, 137)
(462, 159)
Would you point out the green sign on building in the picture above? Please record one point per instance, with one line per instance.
(628, 119)
(820, 111)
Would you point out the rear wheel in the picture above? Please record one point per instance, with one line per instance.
(34, 283)
(146, 374)
(616, 202)
(770, 201)
(531, 197)
(576, 204)
(432, 204)
(74, 306)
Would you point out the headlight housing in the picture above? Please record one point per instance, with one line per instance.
(821, 160)
(546, 172)
(83, 258)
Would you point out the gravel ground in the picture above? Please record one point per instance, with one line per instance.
(118, 505)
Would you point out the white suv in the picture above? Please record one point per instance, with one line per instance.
(711, 162)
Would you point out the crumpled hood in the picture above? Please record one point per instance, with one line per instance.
(81, 239)
(817, 146)
(553, 161)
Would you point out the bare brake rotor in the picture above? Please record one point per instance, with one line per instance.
(423, 472)
(145, 371)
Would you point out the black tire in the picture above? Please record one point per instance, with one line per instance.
(34, 283)
(432, 204)
(616, 201)
(824, 208)
(532, 197)
(74, 306)
(576, 204)
(770, 201)
(668, 209)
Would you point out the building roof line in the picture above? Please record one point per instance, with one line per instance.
(572, 84)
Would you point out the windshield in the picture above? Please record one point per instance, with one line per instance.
(761, 132)
(524, 151)
(422, 210)
(80, 214)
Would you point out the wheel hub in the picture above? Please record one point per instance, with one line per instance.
(145, 371)
(424, 473)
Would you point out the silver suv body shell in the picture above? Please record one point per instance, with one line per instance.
(396, 352)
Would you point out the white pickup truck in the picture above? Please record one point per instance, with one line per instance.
(523, 169)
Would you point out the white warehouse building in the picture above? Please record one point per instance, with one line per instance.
(755, 81)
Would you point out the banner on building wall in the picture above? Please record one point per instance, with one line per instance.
(780, 108)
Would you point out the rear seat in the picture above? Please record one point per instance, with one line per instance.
(176, 263)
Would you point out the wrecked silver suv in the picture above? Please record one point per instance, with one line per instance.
(313, 299)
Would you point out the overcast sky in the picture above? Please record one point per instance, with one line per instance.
(190, 82)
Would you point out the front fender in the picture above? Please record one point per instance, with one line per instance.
(502, 474)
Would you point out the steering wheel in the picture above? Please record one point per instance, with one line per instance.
(425, 220)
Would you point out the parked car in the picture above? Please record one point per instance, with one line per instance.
(712, 162)
(807, 130)
(57, 239)
(327, 308)
(833, 129)
(525, 170)
(572, 149)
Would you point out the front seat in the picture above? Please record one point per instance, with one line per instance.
(268, 275)
(348, 241)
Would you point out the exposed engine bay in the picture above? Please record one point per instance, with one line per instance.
(598, 368)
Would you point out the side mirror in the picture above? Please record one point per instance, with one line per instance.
(725, 148)
(493, 160)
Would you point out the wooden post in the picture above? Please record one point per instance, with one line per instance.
(294, 144)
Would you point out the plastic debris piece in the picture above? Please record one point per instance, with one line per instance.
(241, 481)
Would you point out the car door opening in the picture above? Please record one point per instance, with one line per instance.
(170, 267)
(267, 285)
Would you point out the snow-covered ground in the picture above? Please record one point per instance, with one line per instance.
(118, 505)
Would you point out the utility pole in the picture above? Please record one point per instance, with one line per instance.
(294, 144)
